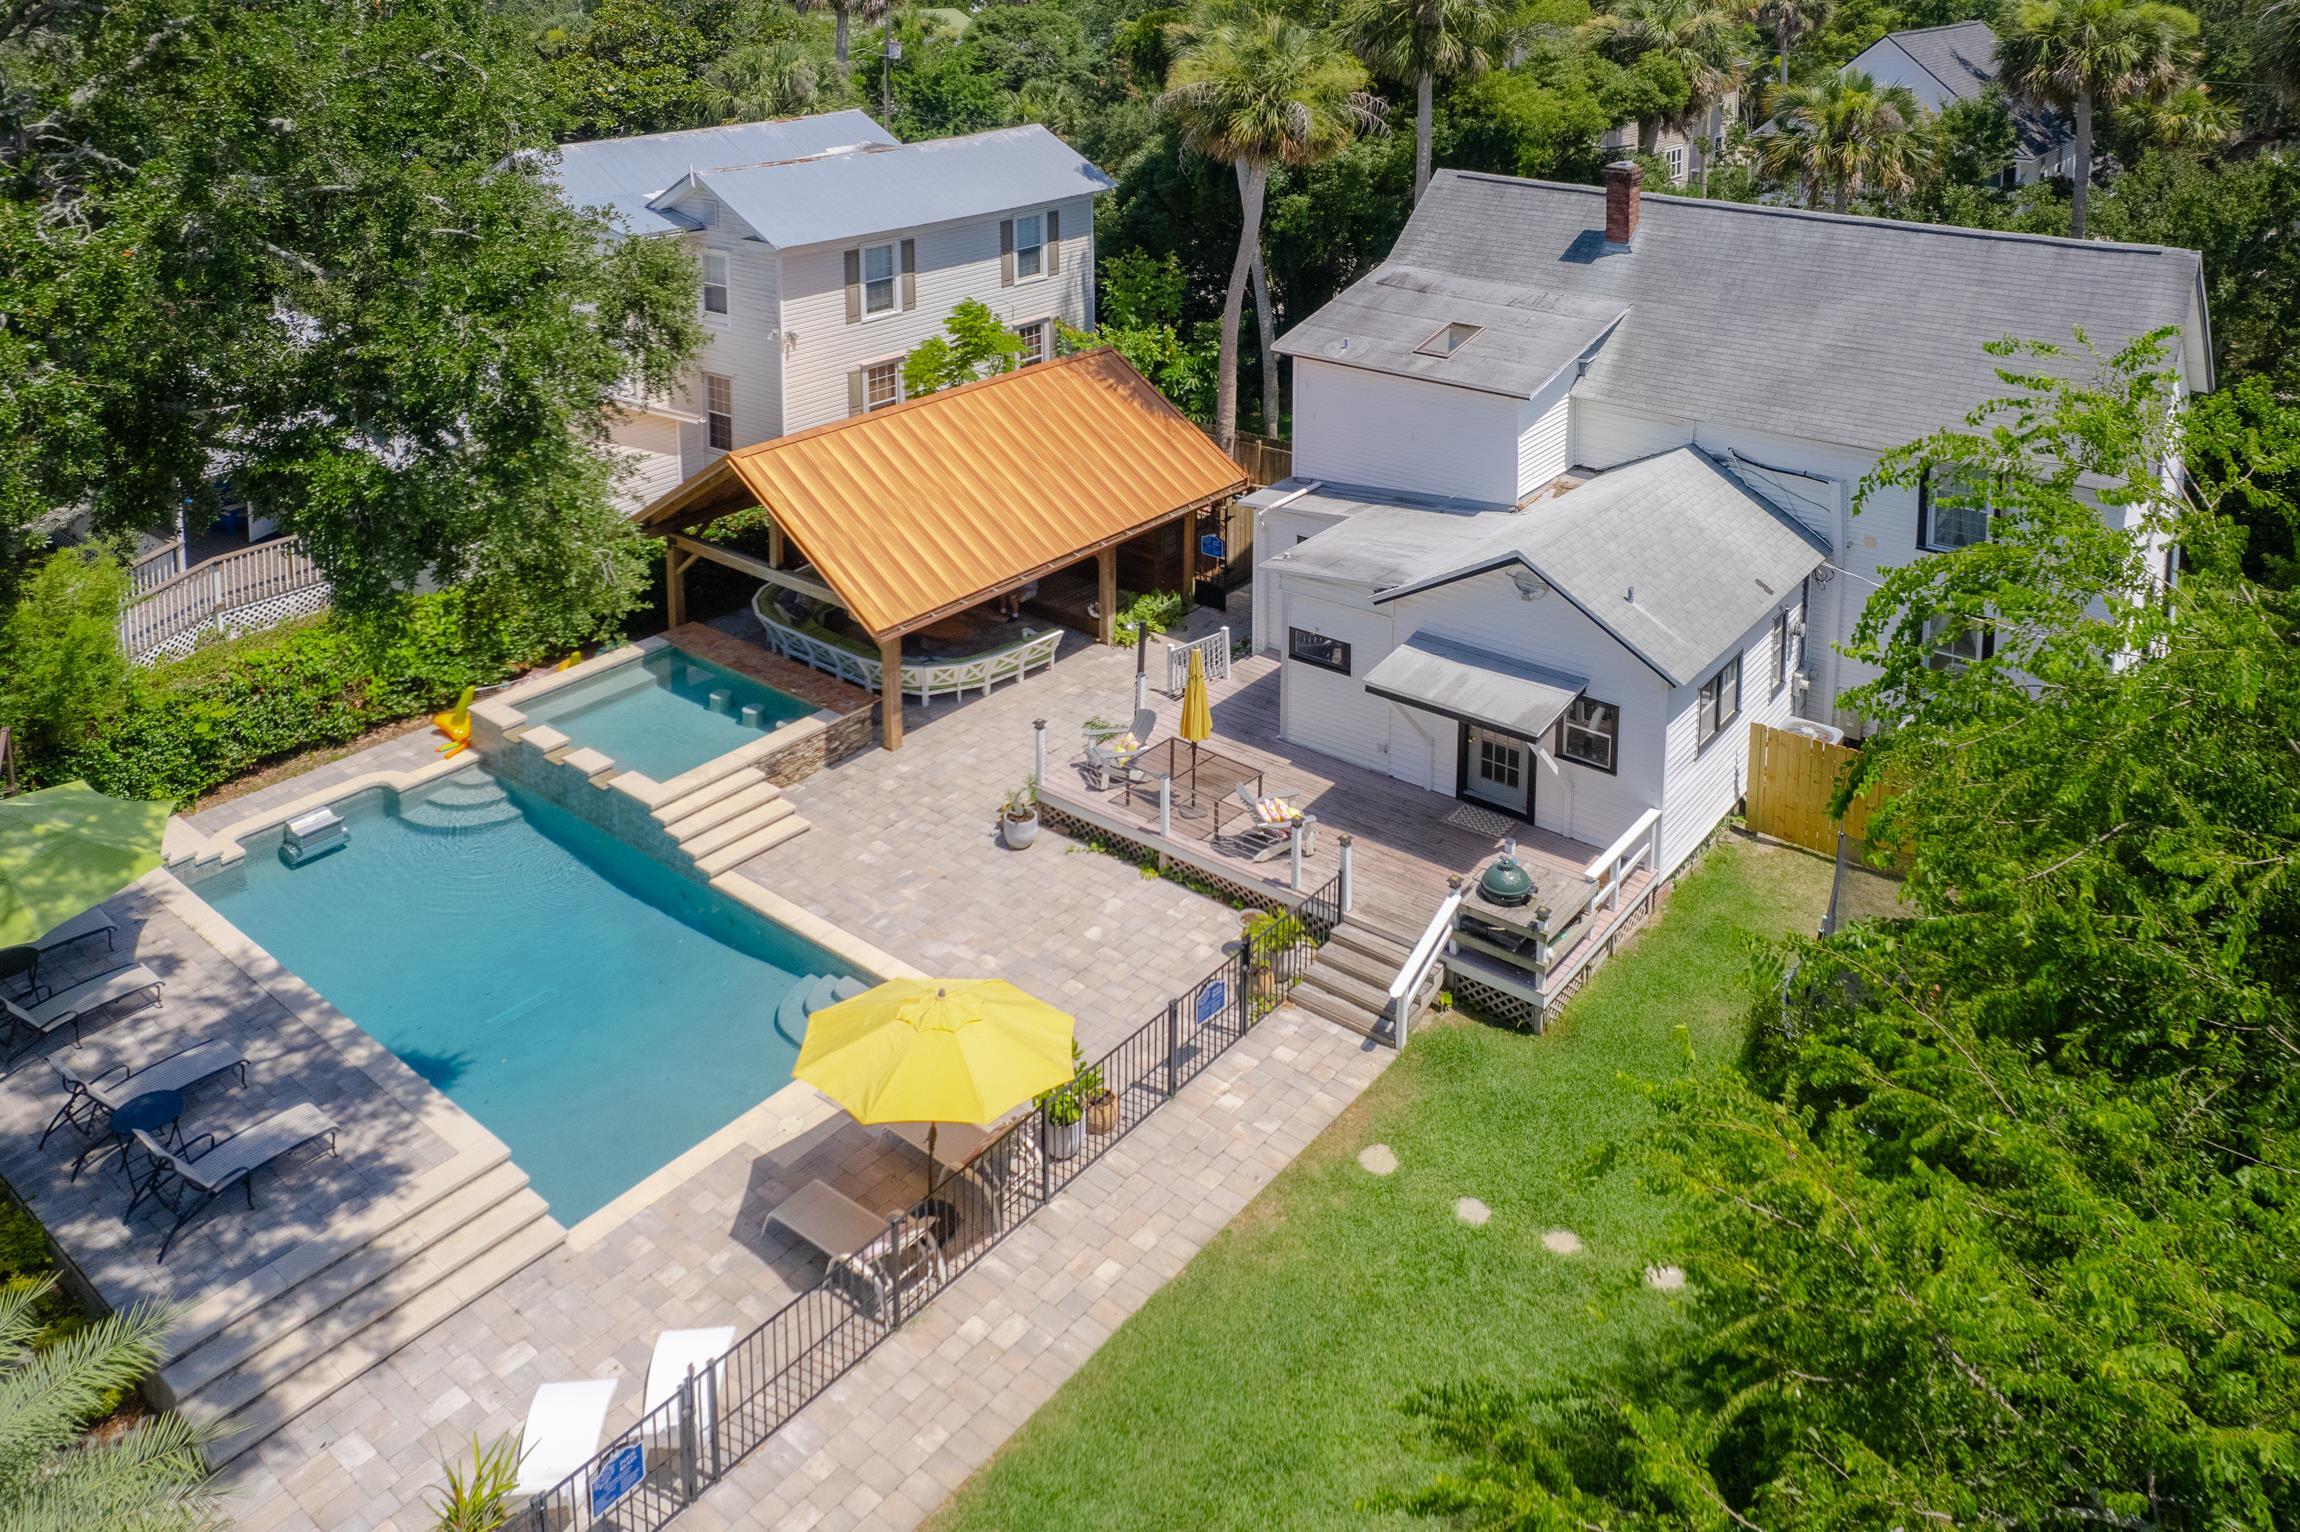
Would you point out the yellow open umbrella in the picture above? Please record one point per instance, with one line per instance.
(1197, 716)
(936, 1051)
(65, 848)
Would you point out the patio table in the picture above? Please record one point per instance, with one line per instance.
(1206, 775)
(153, 1112)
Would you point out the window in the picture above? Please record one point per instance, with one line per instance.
(1780, 652)
(1943, 527)
(1448, 340)
(714, 282)
(1029, 247)
(719, 411)
(882, 385)
(1674, 158)
(1720, 702)
(1591, 731)
(1499, 761)
(1033, 341)
(1957, 643)
(878, 279)
(1319, 650)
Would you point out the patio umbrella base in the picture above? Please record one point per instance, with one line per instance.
(943, 1215)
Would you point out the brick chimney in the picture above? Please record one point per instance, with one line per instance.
(1622, 179)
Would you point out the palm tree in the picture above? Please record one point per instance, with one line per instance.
(1419, 40)
(1256, 90)
(1699, 36)
(2191, 117)
(2074, 55)
(148, 1476)
(1791, 19)
(848, 12)
(1847, 134)
(769, 78)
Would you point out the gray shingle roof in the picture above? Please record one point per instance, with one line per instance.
(1963, 57)
(1865, 332)
(846, 196)
(1672, 555)
(1525, 336)
(625, 174)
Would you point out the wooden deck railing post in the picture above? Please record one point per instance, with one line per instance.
(1294, 844)
(1166, 806)
(1347, 883)
(1038, 753)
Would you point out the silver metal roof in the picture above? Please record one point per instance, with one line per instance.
(846, 196)
(625, 175)
(1524, 336)
(1512, 695)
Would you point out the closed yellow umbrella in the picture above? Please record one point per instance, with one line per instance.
(936, 1051)
(1197, 716)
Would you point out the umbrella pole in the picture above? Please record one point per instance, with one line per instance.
(930, 1131)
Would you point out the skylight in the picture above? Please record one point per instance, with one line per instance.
(1448, 340)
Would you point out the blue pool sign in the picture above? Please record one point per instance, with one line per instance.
(620, 1472)
(1211, 546)
(1210, 1002)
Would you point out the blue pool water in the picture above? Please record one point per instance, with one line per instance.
(655, 714)
(596, 1011)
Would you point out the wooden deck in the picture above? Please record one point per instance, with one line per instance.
(1404, 847)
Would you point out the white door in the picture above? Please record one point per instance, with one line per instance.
(1497, 769)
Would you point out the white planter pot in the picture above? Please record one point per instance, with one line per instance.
(1018, 833)
(1063, 1140)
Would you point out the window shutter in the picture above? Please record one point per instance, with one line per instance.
(856, 383)
(854, 286)
(1053, 241)
(910, 273)
(1006, 252)
(1924, 508)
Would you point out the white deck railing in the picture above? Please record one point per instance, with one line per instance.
(250, 589)
(1639, 846)
(158, 569)
(1427, 954)
(1215, 647)
(925, 681)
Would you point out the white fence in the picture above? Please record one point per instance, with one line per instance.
(163, 565)
(1214, 646)
(243, 592)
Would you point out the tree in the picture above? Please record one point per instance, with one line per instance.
(2073, 56)
(1848, 134)
(148, 1476)
(848, 13)
(975, 343)
(2189, 118)
(1138, 310)
(1791, 19)
(1254, 91)
(61, 670)
(1420, 41)
(1700, 38)
(634, 66)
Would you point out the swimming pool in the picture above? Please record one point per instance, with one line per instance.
(664, 713)
(596, 1011)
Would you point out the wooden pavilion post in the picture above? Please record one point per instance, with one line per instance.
(1106, 569)
(890, 691)
(775, 543)
(675, 562)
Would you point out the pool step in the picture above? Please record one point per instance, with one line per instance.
(736, 827)
(747, 795)
(751, 845)
(460, 803)
(351, 1305)
(810, 994)
(708, 793)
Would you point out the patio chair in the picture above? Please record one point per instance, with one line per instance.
(677, 1353)
(855, 1240)
(564, 1424)
(185, 1184)
(1269, 829)
(42, 1011)
(25, 960)
(1108, 754)
(88, 1095)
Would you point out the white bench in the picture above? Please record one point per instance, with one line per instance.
(948, 678)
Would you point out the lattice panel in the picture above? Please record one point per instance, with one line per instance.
(254, 617)
(1140, 854)
(1493, 1004)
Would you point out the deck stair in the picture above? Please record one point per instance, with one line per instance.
(809, 995)
(724, 822)
(1350, 982)
(252, 1357)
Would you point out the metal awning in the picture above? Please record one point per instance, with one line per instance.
(1475, 685)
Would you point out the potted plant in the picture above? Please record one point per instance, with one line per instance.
(1018, 817)
(1268, 933)
(1062, 1112)
(1101, 1101)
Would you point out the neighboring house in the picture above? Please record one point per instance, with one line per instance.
(1941, 65)
(1680, 148)
(828, 251)
(1588, 459)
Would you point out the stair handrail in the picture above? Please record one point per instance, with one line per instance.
(1639, 845)
(1420, 961)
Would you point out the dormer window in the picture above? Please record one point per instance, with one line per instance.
(1449, 340)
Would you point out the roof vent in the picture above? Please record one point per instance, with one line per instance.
(1449, 340)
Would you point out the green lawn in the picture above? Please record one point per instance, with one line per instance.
(1260, 1388)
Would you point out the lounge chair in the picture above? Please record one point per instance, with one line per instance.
(857, 1241)
(86, 1096)
(1263, 838)
(564, 1424)
(677, 1353)
(42, 1011)
(185, 1184)
(1109, 759)
(24, 961)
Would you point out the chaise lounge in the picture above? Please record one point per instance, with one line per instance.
(90, 1096)
(185, 1184)
(40, 1013)
(1270, 825)
(853, 1239)
(564, 1424)
(25, 960)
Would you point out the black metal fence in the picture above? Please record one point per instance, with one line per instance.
(723, 1413)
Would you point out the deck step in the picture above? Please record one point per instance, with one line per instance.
(1319, 1001)
(1378, 969)
(723, 807)
(741, 851)
(1371, 998)
(255, 1421)
(315, 1301)
(707, 793)
(738, 827)
(1380, 946)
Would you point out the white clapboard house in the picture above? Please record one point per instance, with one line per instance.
(1944, 65)
(828, 252)
(1574, 474)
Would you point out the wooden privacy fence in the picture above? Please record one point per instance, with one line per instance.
(1792, 777)
(242, 592)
